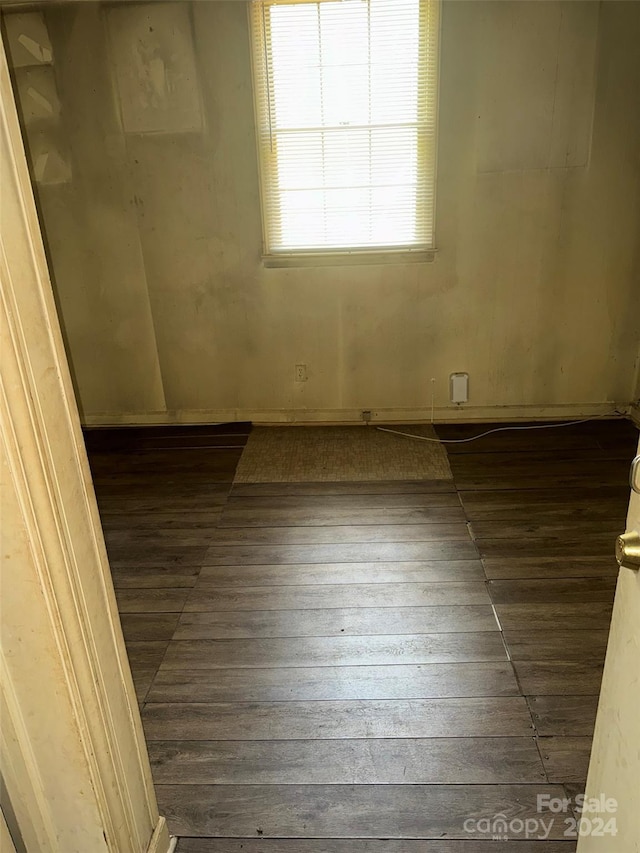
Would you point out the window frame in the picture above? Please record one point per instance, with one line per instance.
(332, 256)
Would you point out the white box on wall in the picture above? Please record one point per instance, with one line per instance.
(27, 39)
(37, 93)
(49, 155)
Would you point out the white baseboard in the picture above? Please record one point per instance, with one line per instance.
(445, 414)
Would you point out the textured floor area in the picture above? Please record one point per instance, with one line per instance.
(337, 454)
(319, 665)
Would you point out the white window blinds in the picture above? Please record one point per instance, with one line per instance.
(346, 95)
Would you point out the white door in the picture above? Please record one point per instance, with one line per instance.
(613, 784)
(73, 757)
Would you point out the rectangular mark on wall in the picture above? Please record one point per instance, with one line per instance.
(153, 59)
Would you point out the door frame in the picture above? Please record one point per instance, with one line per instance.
(53, 503)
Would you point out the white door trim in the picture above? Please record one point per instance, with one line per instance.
(6, 841)
(53, 504)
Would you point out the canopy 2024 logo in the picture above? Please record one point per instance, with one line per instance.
(558, 817)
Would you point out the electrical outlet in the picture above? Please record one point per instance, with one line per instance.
(301, 372)
(366, 415)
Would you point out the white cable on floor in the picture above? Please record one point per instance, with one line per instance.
(497, 429)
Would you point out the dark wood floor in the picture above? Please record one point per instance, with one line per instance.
(379, 661)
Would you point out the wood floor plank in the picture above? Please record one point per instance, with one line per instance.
(585, 529)
(114, 475)
(626, 438)
(351, 621)
(146, 654)
(361, 845)
(161, 465)
(140, 491)
(125, 500)
(587, 616)
(144, 659)
(149, 554)
(555, 463)
(322, 720)
(166, 442)
(434, 761)
(253, 536)
(572, 790)
(168, 600)
(148, 626)
(327, 535)
(401, 681)
(520, 568)
(120, 538)
(170, 490)
(566, 759)
(614, 423)
(212, 441)
(553, 678)
(166, 521)
(364, 811)
(556, 644)
(154, 577)
(142, 679)
(562, 459)
(302, 574)
(322, 596)
(572, 476)
(564, 716)
(348, 502)
(191, 458)
(366, 552)
(328, 516)
(335, 651)
(401, 487)
(592, 545)
(593, 512)
(108, 438)
(538, 591)
(164, 479)
(538, 499)
(547, 440)
(122, 470)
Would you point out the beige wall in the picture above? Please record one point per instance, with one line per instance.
(156, 238)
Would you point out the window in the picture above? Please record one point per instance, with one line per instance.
(346, 94)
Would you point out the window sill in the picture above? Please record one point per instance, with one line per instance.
(335, 259)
